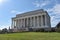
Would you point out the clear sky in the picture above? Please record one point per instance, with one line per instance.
(9, 9)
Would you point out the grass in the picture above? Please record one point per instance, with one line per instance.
(31, 36)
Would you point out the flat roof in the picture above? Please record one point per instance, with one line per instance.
(30, 13)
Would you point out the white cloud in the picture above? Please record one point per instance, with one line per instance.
(56, 8)
(36, 3)
(40, 4)
(4, 26)
(16, 12)
(13, 11)
(55, 11)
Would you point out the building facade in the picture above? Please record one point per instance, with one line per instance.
(36, 19)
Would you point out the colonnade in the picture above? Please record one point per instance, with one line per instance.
(35, 21)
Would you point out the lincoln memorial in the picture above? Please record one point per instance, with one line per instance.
(32, 20)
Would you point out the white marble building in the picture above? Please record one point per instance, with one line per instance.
(36, 19)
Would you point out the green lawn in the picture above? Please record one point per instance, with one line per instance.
(31, 36)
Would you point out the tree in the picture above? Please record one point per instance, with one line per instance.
(4, 30)
(58, 27)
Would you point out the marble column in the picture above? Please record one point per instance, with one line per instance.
(18, 23)
(45, 20)
(27, 22)
(24, 22)
(21, 23)
(38, 21)
(12, 25)
(41, 21)
(30, 21)
(34, 20)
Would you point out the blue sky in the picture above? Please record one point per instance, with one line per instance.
(9, 9)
